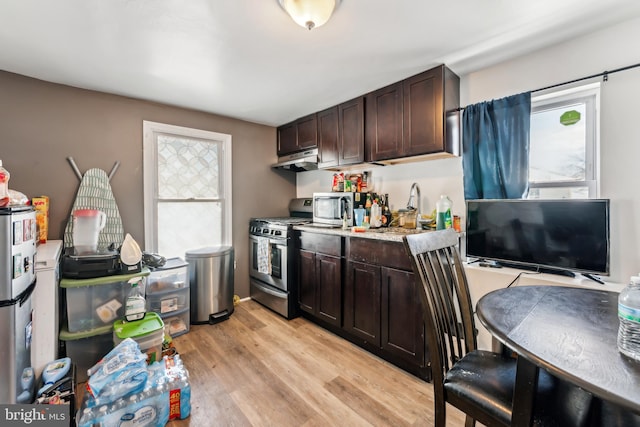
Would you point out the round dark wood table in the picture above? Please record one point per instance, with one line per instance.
(571, 333)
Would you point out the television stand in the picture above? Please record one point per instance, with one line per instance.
(593, 277)
(557, 272)
(488, 263)
(566, 273)
(538, 269)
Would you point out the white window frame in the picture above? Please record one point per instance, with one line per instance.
(151, 131)
(590, 95)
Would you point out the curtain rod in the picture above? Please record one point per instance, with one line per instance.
(604, 74)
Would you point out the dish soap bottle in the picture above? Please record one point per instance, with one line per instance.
(345, 223)
(135, 307)
(443, 213)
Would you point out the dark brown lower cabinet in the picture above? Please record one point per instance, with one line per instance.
(362, 302)
(307, 280)
(402, 325)
(372, 303)
(381, 307)
(329, 298)
(320, 278)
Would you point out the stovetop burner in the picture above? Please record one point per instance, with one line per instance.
(284, 220)
(300, 213)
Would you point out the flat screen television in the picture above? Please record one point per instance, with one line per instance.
(556, 236)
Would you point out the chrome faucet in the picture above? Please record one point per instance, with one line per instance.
(414, 192)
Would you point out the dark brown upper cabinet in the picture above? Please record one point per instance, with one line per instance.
(328, 135)
(409, 118)
(383, 123)
(298, 135)
(351, 121)
(341, 134)
(413, 119)
(423, 114)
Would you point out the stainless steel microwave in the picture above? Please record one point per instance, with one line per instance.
(329, 208)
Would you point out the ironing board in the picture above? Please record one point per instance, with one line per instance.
(95, 193)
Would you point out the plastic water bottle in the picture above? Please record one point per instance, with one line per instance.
(376, 213)
(102, 415)
(185, 395)
(443, 213)
(629, 315)
(179, 390)
(86, 418)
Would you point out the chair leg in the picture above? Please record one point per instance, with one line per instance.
(469, 422)
(441, 412)
(441, 418)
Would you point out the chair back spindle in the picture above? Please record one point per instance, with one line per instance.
(445, 297)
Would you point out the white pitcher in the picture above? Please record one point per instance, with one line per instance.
(87, 224)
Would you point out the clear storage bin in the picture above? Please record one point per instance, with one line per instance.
(96, 302)
(171, 276)
(147, 332)
(86, 348)
(176, 323)
(168, 301)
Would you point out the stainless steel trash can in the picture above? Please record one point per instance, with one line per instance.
(211, 283)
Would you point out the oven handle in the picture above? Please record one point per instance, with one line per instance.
(269, 291)
(344, 205)
(277, 242)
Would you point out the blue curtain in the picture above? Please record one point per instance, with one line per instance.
(495, 148)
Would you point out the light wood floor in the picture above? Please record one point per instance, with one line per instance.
(258, 369)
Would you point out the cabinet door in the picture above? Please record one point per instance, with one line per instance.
(287, 139)
(423, 113)
(351, 125)
(329, 289)
(307, 132)
(401, 316)
(307, 280)
(383, 123)
(362, 302)
(328, 151)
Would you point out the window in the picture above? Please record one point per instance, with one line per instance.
(563, 156)
(187, 189)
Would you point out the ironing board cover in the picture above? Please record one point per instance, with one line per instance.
(95, 193)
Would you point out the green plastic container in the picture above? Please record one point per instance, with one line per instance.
(148, 332)
(97, 302)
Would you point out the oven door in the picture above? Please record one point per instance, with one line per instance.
(277, 300)
(276, 273)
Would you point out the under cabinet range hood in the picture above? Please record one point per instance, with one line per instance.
(302, 161)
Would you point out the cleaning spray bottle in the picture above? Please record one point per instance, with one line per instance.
(135, 307)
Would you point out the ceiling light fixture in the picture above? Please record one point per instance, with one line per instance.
(310, 13)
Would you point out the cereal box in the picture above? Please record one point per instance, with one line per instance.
(41, 205)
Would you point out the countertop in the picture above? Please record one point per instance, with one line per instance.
(389, 234)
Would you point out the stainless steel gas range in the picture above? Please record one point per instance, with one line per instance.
(273, 276)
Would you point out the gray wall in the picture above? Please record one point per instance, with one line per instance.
(41, 124)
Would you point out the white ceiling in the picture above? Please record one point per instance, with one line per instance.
(247, 59)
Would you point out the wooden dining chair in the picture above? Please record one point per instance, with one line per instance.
(479, 383)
